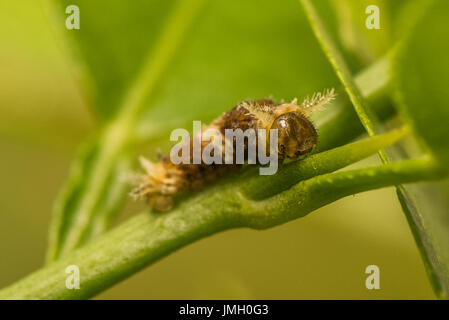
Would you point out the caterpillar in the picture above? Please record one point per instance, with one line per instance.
(297, 136)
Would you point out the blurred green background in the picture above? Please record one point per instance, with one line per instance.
(44, 117)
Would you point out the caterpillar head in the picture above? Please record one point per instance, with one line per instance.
(296, 135)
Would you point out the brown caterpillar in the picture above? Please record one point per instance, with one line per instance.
(297, 136)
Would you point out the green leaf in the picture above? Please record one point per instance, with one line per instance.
(237, 51)
(96, 187)
(92, 196)
(363, 44)
(425, 205)
(421, 72)
(112, 44)
(425, 230)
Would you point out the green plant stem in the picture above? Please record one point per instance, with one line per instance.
(321, 190)
(260, 187)
(145, 238)
(118, 254)
(366, 116)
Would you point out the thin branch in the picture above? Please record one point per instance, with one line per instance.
(260, 187)
(146, 238)
(321, 190)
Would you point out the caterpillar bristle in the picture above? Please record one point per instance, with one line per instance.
(317, 101)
